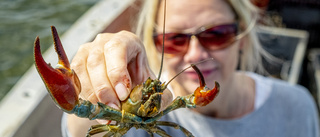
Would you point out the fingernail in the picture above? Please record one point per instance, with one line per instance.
(122, 91)
(103, 121)
(113, 106)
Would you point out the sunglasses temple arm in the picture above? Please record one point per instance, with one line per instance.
(248, 29)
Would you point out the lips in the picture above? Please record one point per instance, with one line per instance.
(205, 72)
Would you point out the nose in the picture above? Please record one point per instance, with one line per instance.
(196, 52)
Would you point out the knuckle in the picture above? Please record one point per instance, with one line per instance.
(91, 62)
(80, 58)
(102, 90)
(127, 33)
(105, 94)
(123, 40)
(124, 32)
(84, 47)
(95, 58)
(78, 63)
(101, 36)
(113, 44)
(116, 72)
(96, 50)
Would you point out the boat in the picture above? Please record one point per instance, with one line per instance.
(28, 110)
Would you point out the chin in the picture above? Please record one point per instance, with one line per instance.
(190, 86)
(210, 81)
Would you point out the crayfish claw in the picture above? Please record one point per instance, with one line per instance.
(63, 59)
(62, 83)
(203, 95)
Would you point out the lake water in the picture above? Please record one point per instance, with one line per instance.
(21, 21)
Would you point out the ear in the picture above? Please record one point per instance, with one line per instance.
(243, 42)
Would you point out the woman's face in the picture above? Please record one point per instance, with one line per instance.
(189, 16)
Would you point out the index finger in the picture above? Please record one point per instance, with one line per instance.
(121, 50)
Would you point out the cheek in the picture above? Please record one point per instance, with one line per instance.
(172, 64)
(227, 59)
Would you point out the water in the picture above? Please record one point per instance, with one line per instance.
(21, 21)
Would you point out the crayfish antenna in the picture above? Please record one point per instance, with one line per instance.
(62, 83)
(202, 81)
(164, 26)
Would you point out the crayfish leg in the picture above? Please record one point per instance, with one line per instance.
(176, 126)
(157, 130)
(112, 130)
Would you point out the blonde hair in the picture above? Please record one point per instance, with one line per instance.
(247, 13)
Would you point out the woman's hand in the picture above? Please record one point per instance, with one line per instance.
(110, 66)
(105, 67)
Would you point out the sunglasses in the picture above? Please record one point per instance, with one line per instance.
(213, 38)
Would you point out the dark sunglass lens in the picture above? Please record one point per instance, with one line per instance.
(174, 43)
(217, 37)
(158, 40)
(177, 39)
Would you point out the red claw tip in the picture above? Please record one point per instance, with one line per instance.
(204, 96)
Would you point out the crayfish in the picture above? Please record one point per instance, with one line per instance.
(140, 110)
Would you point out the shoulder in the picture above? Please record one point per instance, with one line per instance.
(292, 105)
(283, 90)
(296, 105)
(295, 94)
(287, 97)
